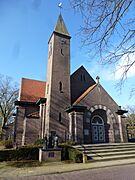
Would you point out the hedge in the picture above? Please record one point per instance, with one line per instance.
(32, 153)
(22, 153)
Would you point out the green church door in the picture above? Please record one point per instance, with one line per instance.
(98, 130)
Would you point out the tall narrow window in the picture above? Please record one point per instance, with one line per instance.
(62, 52)
(47, 88)
(81, 77)
(60, 86)
(60, 117)
(50, 49)
(84, 78)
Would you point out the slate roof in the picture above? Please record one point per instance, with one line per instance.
(85, 94)
(61, 27)
(31, 90)
(78, 84)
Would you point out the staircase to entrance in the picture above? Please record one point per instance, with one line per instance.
(108, 152)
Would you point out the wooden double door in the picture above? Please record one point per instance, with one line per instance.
(98, 130)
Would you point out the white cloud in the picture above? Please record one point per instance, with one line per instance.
(122, 66)
(111, 72)
(108, 74)
(115, 73)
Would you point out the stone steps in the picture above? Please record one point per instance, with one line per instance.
(108, 152)
(116, 157)
(106, 146)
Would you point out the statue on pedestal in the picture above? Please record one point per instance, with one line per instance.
(55, 142)
(50, 143)
(45, 145)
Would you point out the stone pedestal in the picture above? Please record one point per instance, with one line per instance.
(84, 158)
(49, 155)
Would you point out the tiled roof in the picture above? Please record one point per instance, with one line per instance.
(32, 90)
(84, 94)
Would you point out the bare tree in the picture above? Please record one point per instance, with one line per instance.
(131, 114)
(130, 121)
(8, 95)
(109, 27)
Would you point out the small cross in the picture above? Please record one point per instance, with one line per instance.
(97, 78)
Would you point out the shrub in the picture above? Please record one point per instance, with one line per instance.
(71, 142)
(70, 153)
(39, 142)
(64, 152)
(1, 143)
(75, 155)
(8, 144)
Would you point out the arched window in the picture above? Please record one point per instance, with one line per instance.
(97, 120)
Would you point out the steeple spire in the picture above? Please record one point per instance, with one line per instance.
(60, 26)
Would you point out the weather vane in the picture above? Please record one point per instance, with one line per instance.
(60, 6)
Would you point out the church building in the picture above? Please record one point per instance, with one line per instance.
(74, 107)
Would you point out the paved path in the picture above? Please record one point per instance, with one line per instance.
(126, 172)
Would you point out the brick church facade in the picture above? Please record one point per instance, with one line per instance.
(75, 107)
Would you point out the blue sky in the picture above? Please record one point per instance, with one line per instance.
(25, 28)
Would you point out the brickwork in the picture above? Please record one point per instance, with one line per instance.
(95, 100)
(124, 130)
(32, 130)
(62, 91)
(19, 125)
(27, 129)
(79, 127)
(58, 83)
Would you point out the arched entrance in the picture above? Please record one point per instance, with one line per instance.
(98, 129)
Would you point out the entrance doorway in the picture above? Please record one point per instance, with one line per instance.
(98, 130)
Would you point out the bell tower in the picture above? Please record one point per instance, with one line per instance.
(58, 81)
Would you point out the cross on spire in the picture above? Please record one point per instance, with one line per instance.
(60, 6)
